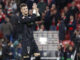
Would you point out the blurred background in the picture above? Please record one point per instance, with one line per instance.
(60, 16)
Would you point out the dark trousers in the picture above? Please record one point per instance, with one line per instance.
(71, 35)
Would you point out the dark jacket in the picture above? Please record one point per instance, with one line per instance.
(62, 30)
(14, 21)
(6, 28)
(26, 30)
(73, 25)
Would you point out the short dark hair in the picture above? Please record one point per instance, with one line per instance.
(22, 5)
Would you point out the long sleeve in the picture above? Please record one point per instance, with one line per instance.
(27, 19)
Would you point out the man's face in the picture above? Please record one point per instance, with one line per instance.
(30, 12)
(24, 10)
(65, 9)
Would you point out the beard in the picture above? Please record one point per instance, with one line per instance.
(26, 14)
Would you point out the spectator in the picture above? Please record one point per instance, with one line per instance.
(71, 26)
(47, 9)
(8, 7)
(30, 12)
(53, 6)
(67, 50)
(42, 27)
(53, 26)
(11, 6)
(18, 50)
(14, 5)
(50, 2)
(35, 9)
(30, 3)
(62, 30)
(18, 2)
(60, 4)
(14, 21)
(48, 19)
(0, 6)
(63, 17)
(50, 15)
(41, 6)
(67, 14)
(58, 24)
(2, 3)
(8, 51)
(73, 9)
(38, 23)
(7, 28)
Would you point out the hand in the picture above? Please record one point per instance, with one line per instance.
(36, 54)
(23, 17)
(26, 56)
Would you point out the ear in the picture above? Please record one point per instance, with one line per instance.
(21, 10)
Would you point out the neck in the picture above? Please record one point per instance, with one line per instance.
(25, 14)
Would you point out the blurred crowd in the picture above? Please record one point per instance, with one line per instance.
(56, 15)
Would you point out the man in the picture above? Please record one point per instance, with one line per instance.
(29, 46)
(7, 28)
(42, 6)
